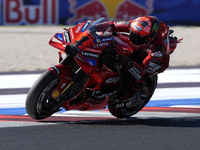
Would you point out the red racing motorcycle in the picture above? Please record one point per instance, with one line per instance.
(88, 77)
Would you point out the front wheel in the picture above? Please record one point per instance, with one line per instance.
(39, 102)
(125, 112)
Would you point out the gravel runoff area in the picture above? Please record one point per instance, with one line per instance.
(26, 48)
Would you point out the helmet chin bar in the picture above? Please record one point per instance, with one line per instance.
(137, 39)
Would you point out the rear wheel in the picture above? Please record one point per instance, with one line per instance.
(125, 112)
(39, 102)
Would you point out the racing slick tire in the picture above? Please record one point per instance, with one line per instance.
(125, 112)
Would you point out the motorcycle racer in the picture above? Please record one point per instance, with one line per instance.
(100, 67)
(150, 39)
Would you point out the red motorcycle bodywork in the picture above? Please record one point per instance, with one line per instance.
(98, 77)
(87, 59)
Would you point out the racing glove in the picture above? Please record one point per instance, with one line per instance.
(137, 70)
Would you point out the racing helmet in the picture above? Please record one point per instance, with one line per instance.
(143, 30)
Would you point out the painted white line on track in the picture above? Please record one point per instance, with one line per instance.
(185, 106)
(6, 124)
(179, 75)
(12, 101)
(169, 76)
(18, 100)
(176, 93)
(17, 81)
(141, 114)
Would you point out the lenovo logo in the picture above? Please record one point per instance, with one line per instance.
(89, 54)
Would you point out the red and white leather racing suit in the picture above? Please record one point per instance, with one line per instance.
(155, 54)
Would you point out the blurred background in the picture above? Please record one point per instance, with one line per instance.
(68, 12)
(26, 26)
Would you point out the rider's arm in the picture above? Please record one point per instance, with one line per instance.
(158, 57)
(113, 26)
(123, 26)
(157, 60)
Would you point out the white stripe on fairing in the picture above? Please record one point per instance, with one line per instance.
(17, 81)
(169, 76)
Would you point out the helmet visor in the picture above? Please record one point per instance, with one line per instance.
(137, 39)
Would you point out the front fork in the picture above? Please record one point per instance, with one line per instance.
(69, 74)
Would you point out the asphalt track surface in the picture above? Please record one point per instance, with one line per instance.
(133, 133)
(153, 129)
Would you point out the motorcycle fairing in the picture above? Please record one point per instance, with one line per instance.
(95, 100)
(87, 59)
(100, 87)
(65, 75)
(87, 48)
(60, 40)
